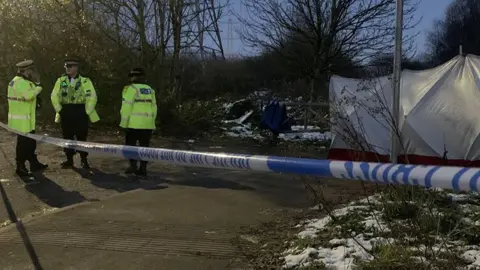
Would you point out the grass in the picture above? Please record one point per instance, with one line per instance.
(303, 243)
(344, 226)
(273, 238)
(314, 266)
(390, 257)
(423, 223)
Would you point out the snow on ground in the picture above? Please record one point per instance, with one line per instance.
(241, 128)
(365, 230)
(247, 131)
(240, 120)
(243, 131)
(255, 96)
(305, 136)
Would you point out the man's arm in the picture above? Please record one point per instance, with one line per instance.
(29, 90)
(154, 105)
(90, 95)
(128, 94)
(55, 97)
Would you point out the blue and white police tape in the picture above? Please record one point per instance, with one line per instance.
(457, 178)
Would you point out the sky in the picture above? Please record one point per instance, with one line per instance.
(428, 10)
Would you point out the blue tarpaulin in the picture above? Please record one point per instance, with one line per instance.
(275, 117)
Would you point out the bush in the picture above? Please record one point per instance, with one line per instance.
(191, 119)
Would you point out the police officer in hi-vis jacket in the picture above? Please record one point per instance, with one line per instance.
(74, 99)
(138, 114)
(22, 97)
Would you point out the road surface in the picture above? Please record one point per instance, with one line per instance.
(178, 218)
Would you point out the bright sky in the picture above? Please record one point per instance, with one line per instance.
(430, 10)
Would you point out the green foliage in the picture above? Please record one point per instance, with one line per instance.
(111, 37)
(191, 119)
(399, 211)
(303, 243)
(46, 31)
(428, 212)
(314, 266)
(391, 257)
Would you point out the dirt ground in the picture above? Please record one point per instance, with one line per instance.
(60, 188)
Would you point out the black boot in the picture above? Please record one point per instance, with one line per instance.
(67, 163)
(132, 168)
(142, 171)
(85, 164)
(36, 166)
(22, 170)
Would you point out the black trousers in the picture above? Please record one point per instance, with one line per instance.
(25, 149)
(74, 121)
(140, 136)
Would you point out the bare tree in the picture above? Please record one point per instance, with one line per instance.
(311, 34)
(381, 65)
(458, 27)
(163, 34)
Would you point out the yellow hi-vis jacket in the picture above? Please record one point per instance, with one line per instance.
(139, 107)
(79, 91)
(22, 103)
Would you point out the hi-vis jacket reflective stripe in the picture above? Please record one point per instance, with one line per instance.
(79, 91)
(139, 107)
(22, 101)
(18, 116)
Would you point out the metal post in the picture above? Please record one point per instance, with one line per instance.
(397, 68)
(200, 28)
(460, 50)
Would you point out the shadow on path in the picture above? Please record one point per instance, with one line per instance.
(20, 228)
(201, 177)
(117, 182)
(51, 193)
(207, 182)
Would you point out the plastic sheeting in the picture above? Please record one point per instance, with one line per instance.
(440, 109)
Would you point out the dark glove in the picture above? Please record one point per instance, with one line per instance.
(39, 102)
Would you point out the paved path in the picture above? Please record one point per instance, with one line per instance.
(167, 228)
(180, 218)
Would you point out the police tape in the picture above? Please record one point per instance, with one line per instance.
(456, 178)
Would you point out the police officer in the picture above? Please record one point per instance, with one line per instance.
(74, 99)
(22, 97)
(138, 114)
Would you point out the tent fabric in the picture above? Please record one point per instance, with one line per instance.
(439, 114)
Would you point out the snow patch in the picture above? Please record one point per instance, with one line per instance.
(473, 257)
(246, 131)
(239, 120)
(458, 197)
(315, 225)
(243, 130)
(340, 253)
(340, 257)
(300, 259)
(305, 136)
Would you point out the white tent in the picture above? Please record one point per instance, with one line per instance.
(440, 109)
